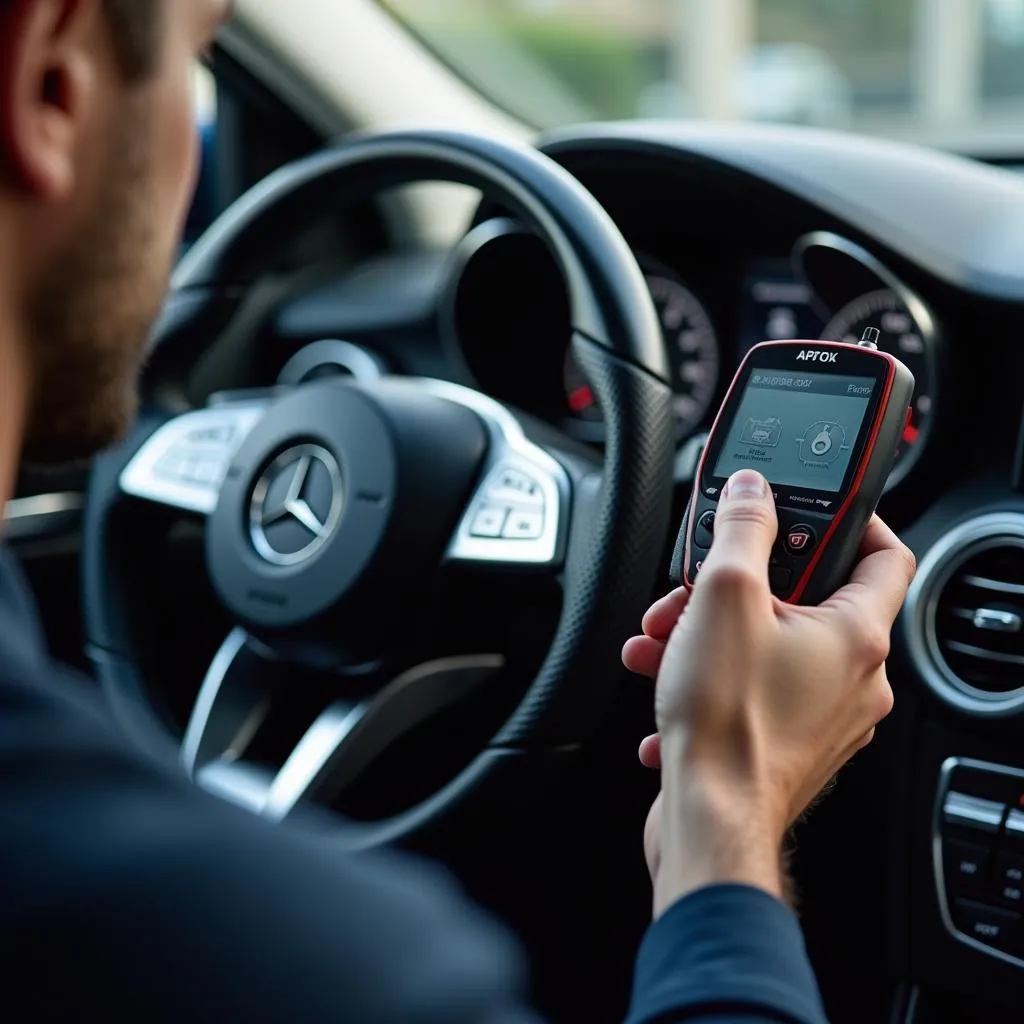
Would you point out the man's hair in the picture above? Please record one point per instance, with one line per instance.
(136, 28)
(135, 25)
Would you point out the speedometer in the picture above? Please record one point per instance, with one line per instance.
(909, 339)
(692, 347)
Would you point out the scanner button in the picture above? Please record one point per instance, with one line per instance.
(780, 579)
(704, 533)
(801, 540)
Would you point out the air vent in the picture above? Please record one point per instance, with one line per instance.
(965, 616)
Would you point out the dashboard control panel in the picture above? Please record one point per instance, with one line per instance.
(978, 842)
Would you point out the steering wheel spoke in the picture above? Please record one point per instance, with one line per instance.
(341, 741)
(518, 514)
(185, 462)
(348, 737)
(233, 703)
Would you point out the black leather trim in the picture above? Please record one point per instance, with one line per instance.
(616, 543)
(610, 303)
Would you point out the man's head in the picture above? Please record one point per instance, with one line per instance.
(97, 164)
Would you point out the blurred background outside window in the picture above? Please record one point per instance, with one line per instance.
(942, 72)
(205, 204)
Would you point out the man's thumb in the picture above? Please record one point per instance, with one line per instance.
(745, 524)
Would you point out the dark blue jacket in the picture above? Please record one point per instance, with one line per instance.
(126, 893)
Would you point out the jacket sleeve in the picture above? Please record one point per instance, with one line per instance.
(725, 955)
(129, 894)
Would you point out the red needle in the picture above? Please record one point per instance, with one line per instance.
(581, 399)
(910, 433)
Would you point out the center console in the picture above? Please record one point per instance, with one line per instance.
(962, 637)
(978, 836)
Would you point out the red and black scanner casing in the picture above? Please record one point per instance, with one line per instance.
(820, 529)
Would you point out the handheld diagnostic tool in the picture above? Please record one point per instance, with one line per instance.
(821, 421)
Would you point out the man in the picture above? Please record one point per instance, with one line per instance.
(211, 913)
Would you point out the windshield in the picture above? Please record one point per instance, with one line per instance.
(944, 72)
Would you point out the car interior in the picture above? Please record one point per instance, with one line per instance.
(419, 424)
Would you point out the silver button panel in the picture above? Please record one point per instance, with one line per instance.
(184, 463)
(513, 517)
(973, 812)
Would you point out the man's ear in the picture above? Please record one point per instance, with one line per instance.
(48, 79)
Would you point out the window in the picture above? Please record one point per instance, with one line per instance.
(938, 71)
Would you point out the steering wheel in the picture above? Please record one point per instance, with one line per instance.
(331, 507)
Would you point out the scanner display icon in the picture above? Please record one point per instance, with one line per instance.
(763, 433)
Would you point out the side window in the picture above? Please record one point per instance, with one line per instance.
(245, 132)
(205, 205)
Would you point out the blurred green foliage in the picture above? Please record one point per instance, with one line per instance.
(603, 71)
(599, 68)
(606, 71)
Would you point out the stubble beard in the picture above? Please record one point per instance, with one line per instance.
(91, 314)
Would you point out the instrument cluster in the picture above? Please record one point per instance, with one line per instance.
(506, 314)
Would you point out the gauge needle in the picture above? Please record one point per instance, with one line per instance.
(910, 433)
(581, 399)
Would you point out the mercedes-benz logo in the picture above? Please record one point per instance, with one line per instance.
(296, 505)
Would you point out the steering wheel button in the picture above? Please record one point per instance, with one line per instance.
(205, 471)
(515, 488)
(171, 467)
(211, 435)
(517, 481)
(524, 525)
(489, 522)
(521, 498)
(193, 471)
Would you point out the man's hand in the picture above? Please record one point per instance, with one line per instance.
(758, 703)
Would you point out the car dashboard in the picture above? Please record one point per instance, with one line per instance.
(735, 252)
(912, 873)
(751, 234)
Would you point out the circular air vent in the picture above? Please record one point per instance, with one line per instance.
(965, 616)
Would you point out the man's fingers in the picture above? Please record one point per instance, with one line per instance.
(879, 583)
(744, 532)
(650, 752)
(642, 655)
(877, 537)
(662, 616)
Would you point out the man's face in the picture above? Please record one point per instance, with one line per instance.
(99, 286)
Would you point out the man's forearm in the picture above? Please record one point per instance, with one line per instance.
(712, 833)
(724, 948)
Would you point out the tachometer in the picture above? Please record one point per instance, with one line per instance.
(908, 340)
(692, 350)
